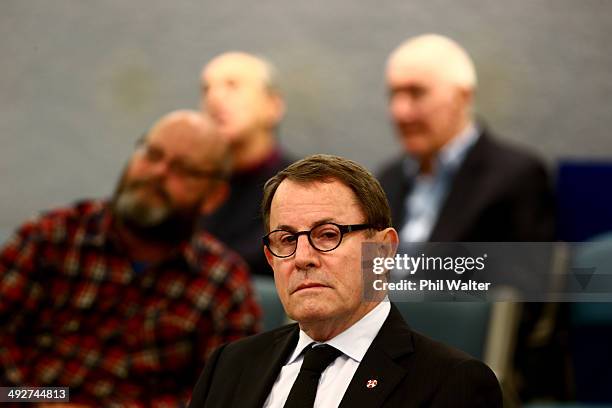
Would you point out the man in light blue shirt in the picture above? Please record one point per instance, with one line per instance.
(455, 181)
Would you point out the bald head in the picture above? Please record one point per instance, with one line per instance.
(192, 121)
(240, 94)
(192, 134)
(243, 63)
(192, 118)
(431, 82)
(438, 55)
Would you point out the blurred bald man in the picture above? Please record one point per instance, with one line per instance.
(120, 300)
(241, 94)
(455, 181)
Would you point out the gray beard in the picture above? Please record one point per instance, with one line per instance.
(128, 208)
(159, 224)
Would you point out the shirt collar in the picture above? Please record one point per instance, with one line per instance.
(354, 341)
(451, 155)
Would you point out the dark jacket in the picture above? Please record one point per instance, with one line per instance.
(499, 194)
(411, 369)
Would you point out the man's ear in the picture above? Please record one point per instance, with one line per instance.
(466, 99)
(277, 108)
(269, 256)
(390, 238)
(214, 198)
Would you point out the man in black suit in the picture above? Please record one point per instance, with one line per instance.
(456, 182)
(374, 359)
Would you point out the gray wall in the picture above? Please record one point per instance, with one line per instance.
(81, 80)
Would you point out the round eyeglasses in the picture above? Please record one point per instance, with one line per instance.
(324, 238)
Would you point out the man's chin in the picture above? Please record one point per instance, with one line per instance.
(156, 224)
(310, 317)
(415, 146)
(233, 135)
(310, 309)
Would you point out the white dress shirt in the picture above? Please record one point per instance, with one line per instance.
(335, 379)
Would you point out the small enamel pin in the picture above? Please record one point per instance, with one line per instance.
(372, 383)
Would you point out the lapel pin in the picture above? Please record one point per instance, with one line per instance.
(372, 383)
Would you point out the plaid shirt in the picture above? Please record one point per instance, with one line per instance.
(75, 311)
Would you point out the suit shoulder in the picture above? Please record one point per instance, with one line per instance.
(509, 155)
(390, 169)
(258, 342)
(451, 365)
(460, 379)
(447, 359)
(439, 351)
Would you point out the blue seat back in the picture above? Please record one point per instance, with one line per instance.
(273, 311)
(463, 325)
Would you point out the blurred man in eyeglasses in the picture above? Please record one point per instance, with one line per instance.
(120, 300)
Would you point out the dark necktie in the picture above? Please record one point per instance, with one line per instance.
(304, 389)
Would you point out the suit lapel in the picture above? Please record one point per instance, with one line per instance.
(378, 366)
(257, 379)
(397, 186)
(462, 201)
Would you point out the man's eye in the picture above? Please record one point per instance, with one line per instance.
(287, 239)
(328, 234)
(181, 168)
(153, 154)
(417, 92)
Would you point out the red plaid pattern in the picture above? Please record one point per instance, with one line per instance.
(74, 312)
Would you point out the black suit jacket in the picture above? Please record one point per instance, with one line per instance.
(499, 194)
(411, 369)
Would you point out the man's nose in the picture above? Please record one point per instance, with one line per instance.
(306, 256)
(160, 168)
(213, 96)
(403, 108)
